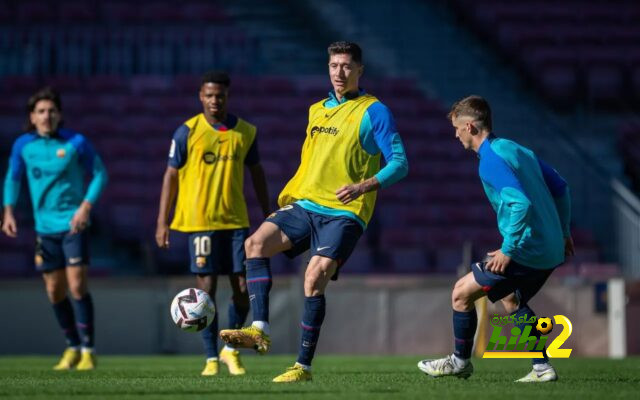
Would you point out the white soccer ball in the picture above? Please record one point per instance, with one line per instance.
(192, 310)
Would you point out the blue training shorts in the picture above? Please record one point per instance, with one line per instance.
(524, 281)
(60, 250)
(218, 252)
(327, 236)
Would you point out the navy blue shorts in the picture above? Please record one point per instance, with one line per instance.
(60, 250)
(218, 252)
(327, 236)
(524, 281)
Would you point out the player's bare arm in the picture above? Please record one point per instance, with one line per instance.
(167, 199)
(9, 224)
(347, 193)
(260, 186)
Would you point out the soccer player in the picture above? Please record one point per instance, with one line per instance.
(206, 173)
(326, 205)
(55, 161)
(533, 207)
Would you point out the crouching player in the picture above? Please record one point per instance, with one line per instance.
(533, 208)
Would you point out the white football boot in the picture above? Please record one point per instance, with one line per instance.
(445, 367)
(545, 375)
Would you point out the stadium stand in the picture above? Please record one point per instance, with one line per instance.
(129, 76)
(573, 51)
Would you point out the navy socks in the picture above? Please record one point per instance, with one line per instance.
(464, 329)
(259, 285)
(84, 319)
(210, 337)
(66, 320)
(314, 310)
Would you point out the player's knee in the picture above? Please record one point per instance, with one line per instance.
(55, 293)
(317, 276)
(254, 247)
(312, 287)
(460, 300)
(77, 290)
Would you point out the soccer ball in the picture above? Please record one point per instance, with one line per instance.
(192, 310)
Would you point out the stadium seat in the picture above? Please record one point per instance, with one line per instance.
(605, 84)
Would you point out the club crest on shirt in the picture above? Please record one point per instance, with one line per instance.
(201, 261)
(60, 153)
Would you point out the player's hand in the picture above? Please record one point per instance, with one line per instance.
(9, 224)
(498, 262)
(162, 235)
(80, 219)
(348, 193)
(569, 250)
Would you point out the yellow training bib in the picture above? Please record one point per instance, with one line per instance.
(332, 156)
(210, 195)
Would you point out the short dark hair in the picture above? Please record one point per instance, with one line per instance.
(473, 106)
(219, 77)
(343, 47)
(46, 93)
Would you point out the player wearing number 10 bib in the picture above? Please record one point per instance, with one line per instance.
(204, 178)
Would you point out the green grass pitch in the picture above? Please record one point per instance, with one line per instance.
(335, 377)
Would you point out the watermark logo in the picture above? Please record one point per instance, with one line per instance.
(522, 343)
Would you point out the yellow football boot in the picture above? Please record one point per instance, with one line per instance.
(211, 368)
(69, 359)
(87, 362)
(232, 359)
(249, 337)
(294, 374)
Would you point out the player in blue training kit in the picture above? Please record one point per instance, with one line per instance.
(55, 161)
(533, 207)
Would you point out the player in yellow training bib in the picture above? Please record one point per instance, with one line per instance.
(328, 203)
(206, 172)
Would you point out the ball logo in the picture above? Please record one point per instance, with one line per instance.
(544, 325)
(329, 130)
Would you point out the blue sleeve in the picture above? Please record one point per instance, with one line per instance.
(93, 166)
(556, 184)
(378, 133)
(178, 150)
(14, 172)
(560, 191)
(253, 156)
(495, 171)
